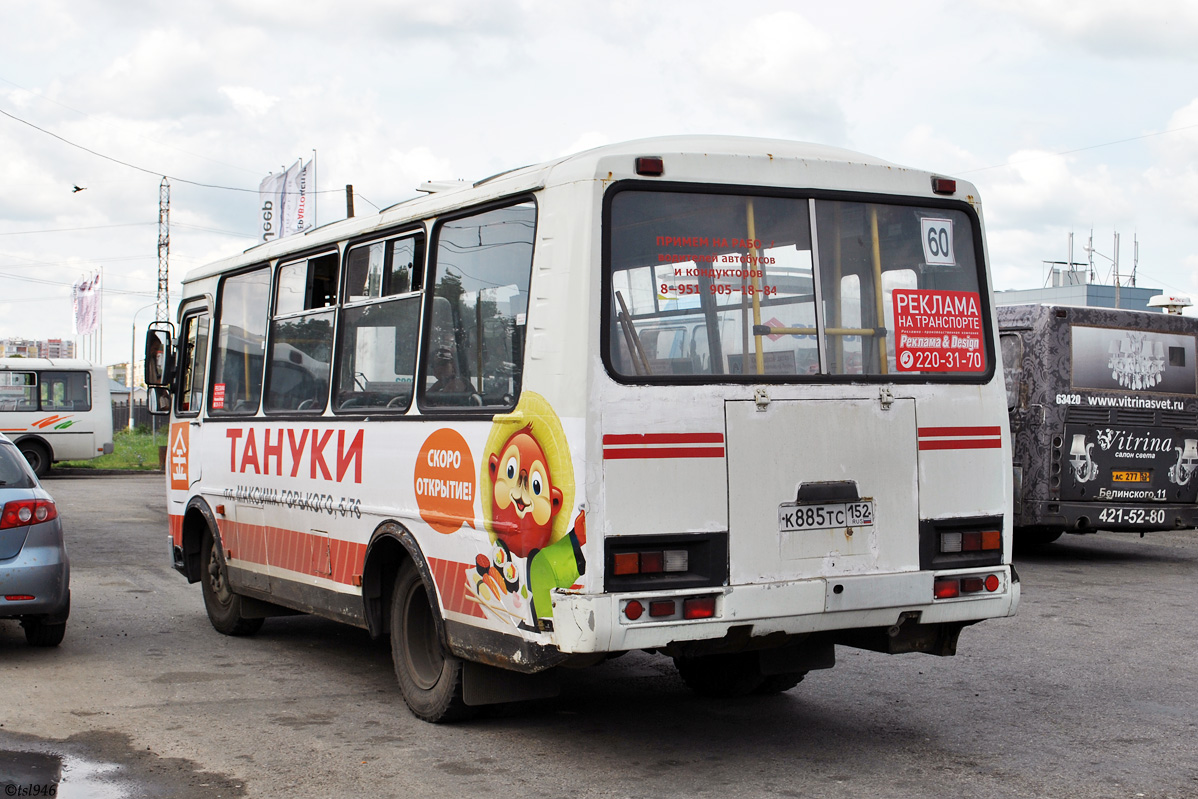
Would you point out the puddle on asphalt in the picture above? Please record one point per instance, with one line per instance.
(102, 764)
(38, 774)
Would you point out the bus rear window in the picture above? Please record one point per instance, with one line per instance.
(740, 287)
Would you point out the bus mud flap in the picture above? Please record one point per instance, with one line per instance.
(488, 685)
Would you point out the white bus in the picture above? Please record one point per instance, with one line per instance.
(734, 401)
(55, 409)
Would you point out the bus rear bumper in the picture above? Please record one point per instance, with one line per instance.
(600, 622)
(1090, 517)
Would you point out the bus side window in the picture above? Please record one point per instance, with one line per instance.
(236, 385)
(1012, 364)
(193, 352)
(473, 354)
(65, 391)
(378, 356)
(380, 326)
(384, 268)
(18, 391)
(301, 335)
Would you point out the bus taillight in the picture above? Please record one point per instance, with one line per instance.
(953, 587)
(698, 607)
(651, 562)
(946, 589)
(661, 607)
(650, 166)
(944, 186)
(971, 541)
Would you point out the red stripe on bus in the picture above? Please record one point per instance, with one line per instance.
(663, 438)
(936, 432)
(294, 551)
(963, 443)
(303, 553)
(648, 453)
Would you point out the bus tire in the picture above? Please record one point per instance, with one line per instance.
(223, 606)
(721, 676)
(37, 454)
(430, 678)
(1031, 538)
(779, 683)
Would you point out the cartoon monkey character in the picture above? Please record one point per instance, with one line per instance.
(526, 480)
(525, 500)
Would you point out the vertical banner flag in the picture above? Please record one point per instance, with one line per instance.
(285, 203)
(85, 300)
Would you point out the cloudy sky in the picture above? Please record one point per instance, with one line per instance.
(1069, 115)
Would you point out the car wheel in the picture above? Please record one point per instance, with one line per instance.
(223, 606)
(38, 456)
(722, 676)
(430, 678)
(39, 632)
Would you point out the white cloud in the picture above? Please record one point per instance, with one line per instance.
(779, 70)
(248, 100)
(1113, 28)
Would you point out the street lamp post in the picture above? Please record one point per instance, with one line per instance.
(133, 359)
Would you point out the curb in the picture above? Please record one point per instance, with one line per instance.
(77, 472)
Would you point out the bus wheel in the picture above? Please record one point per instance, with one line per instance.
(223, 606)
(731, 675)
(1036, 537)
(429, 677)
(39, 458)
(779, 683)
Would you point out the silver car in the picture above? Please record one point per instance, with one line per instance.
(34, 571)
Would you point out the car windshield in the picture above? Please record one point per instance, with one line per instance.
(14, 473)
(725, 287)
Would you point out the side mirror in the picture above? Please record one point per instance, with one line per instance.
(158, 402)
(160, 356)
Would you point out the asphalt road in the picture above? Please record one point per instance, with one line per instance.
(1091, 691)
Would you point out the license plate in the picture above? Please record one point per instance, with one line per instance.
(1131, 477)
(793, 517)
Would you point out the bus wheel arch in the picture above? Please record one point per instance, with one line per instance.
(401, 601)
(390, 547)
(223, 605)
(197, 520)
(38, 452)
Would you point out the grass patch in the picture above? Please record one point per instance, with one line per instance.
(132, 449)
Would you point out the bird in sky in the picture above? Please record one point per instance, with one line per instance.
(77, 189)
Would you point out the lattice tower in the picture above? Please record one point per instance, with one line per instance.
(162, 307)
